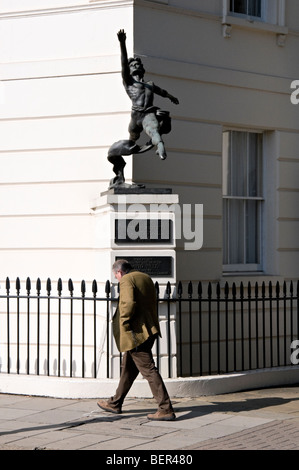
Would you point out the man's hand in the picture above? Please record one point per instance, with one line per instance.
(121, 36)
(173, 99)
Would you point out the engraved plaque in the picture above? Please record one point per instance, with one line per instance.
(148, 231)
(154, 266)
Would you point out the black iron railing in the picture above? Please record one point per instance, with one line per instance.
(218, 329)
(236, 329)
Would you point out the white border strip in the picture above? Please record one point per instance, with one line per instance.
(76, 388)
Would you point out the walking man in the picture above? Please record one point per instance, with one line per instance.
(135, 328)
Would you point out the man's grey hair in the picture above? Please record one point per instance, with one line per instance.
(121, 265)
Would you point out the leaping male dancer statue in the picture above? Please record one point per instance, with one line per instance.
(144, 116)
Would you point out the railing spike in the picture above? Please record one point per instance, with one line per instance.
(168, 289)
(226, 289)
(7, 284)
(190, 289)
(28, 285)
(199, 289)
(18, 285)
(249, 290)
(234, 290)
(180, 289)
(277, 289)
(70, 285)
(256, 290)
(107, 288)
(94, 287)
(38, 286)
(242, 290)
(270, 289)
(48, 286)
(59, 286)
(83, 288)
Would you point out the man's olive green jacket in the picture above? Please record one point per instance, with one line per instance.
(136, 315)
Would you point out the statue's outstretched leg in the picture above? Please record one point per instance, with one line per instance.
(151, 127)
(118, 167)
(122, 147)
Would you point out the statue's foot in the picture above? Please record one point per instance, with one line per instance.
(118, 183)
(161, 151)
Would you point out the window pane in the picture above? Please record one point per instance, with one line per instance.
(246, 7)
(252, 232)
(238, 150)
(254, 165)
(242, 161)
(254, 8)
(234, 228)
(239, 6)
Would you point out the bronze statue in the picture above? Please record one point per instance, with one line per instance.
(144, 116)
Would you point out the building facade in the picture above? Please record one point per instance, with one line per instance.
(233, 145)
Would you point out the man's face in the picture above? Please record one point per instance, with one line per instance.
(118, 274)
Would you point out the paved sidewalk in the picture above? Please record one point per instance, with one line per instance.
(262, 419)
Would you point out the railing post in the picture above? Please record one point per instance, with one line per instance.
(271, 323)
(59, 290)
(277, 322)
(107, 292)
(285, 322)
(28, 288)
(210, 326)
(199, 294)
(234, 293)
(226, 292)
(38, 289)
(157, 288)
(218, 295)
(190, 293)
(18, 288)
(83, 291)
(71, 290)
(48, 288)
(7, 286)
(94, 291)
(180, 292)
(168, 293)
(242, 324)
(249, 324)
(256, 294)
(264, 324)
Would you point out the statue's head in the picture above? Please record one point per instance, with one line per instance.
(136, 66)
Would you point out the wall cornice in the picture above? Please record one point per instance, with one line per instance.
(91, 5)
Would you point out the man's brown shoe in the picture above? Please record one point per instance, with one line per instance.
(162, 416)
(106, 407)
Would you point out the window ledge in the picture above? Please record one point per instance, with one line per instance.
(229, 21)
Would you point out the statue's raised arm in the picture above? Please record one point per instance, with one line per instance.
(125, 69)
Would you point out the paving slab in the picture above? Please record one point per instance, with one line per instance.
(250, 420)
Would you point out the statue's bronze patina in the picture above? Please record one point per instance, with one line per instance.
(144, 115)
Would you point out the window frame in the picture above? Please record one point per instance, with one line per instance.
(259, 199)
(272, 20)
